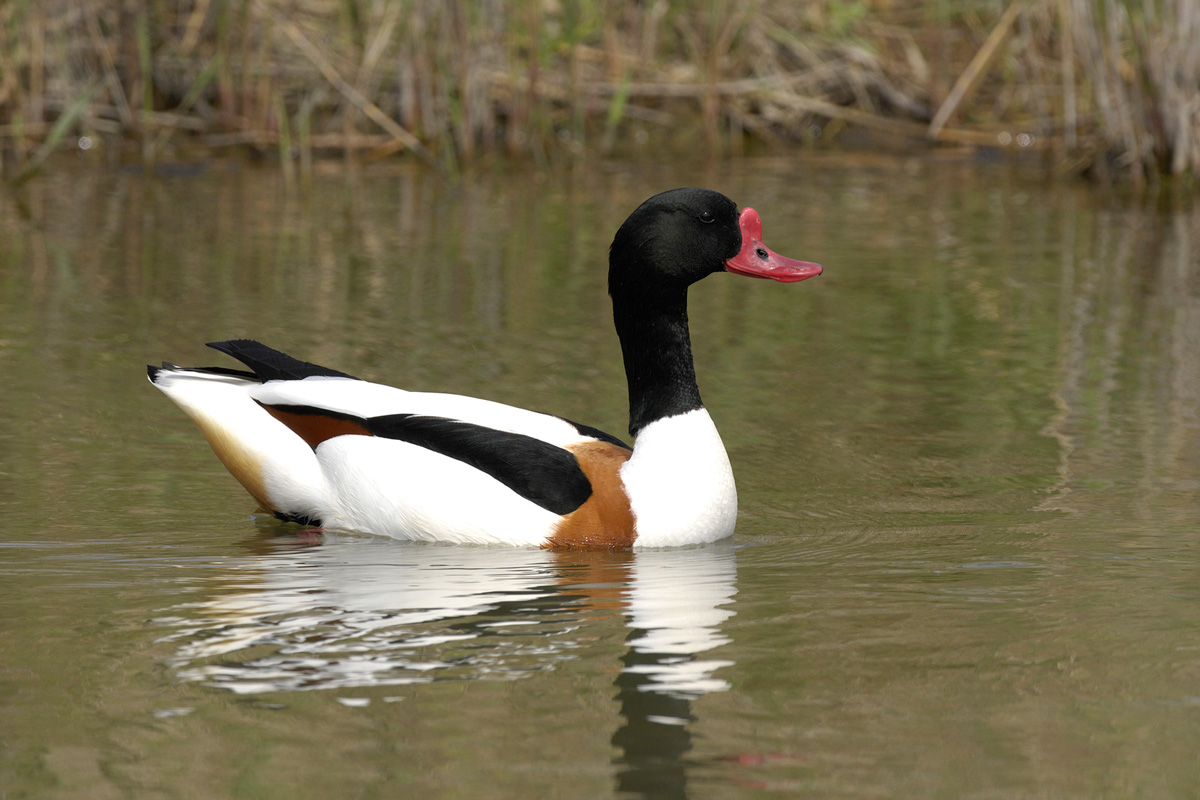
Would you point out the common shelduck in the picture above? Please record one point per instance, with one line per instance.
(320, 447)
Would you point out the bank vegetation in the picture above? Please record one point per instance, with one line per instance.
(1108, 88)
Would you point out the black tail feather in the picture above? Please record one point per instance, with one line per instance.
(269, 364)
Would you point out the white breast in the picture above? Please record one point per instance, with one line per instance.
(679, 482)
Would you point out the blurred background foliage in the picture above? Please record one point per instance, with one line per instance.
(1105, 88)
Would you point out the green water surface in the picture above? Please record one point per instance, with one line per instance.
(966, 562)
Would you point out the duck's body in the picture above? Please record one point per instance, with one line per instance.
(317, 446)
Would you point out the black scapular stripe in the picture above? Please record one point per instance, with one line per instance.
(270, 364)
(538, 471)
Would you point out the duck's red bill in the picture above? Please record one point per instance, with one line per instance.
(759, 261)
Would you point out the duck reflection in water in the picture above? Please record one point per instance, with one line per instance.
(361, 612)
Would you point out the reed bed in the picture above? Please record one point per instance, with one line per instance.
(1105, 87)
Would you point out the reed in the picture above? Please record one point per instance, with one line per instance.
(1142, 62)
(1106, 87)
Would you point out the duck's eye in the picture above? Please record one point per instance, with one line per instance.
(706, 217)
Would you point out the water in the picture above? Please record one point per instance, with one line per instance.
(965, 564)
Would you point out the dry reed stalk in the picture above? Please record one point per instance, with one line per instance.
(349, 92)
(970, 77)
(1142, 67)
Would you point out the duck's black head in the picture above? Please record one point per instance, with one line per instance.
(678, 237)
(671, 241)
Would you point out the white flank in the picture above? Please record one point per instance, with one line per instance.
(396, 489)
(679, 482)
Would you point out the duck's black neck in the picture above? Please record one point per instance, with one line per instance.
(657, 349)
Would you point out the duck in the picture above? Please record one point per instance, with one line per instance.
(322, 448)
